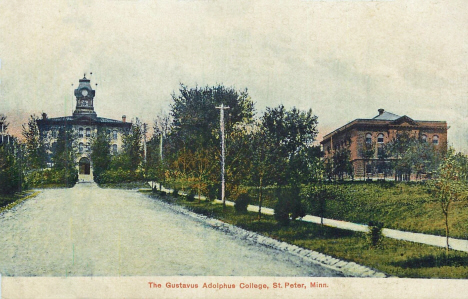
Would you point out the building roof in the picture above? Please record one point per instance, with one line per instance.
(384, 118)
(82, 119)
(387, 116)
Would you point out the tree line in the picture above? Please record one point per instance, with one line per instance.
(275, 148)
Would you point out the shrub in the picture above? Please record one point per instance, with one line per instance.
(191, 196)
(242, 201)
(175, 192)
(41, 178)
(374, 235)
(282, 212)
(289, 205)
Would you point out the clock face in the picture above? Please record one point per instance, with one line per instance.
(84, 92)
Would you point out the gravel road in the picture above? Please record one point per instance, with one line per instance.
(90, 231)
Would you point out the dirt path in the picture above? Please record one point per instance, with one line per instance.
(87, 230)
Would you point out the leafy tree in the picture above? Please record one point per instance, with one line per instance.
(132, 146)
(317, 197)
(63, 155)
(10, 168)
(156, 165)
(289, 206)
(411, 155)
(342, 163)
(238, 160)
(367, 153)
(35, 149)
(449, 186)
(383, 154)
(262, 160)
(3, 123)
(100, 153)
(203, 163)
(195, 119)
(195, 128)
(290, 131)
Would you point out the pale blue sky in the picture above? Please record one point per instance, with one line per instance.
(343, 59)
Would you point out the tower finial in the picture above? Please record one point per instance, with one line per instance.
(84, 76)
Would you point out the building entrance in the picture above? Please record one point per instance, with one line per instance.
(85, 166)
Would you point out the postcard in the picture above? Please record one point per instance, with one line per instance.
(233, 149)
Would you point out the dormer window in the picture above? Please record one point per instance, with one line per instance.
(435, 140)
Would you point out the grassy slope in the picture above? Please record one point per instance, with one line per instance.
(399, 258)
(400, 206)
(9, 201)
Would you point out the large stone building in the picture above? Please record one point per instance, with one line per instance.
(360, 134)
(84, 124)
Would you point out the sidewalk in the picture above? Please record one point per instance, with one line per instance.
(439, 241)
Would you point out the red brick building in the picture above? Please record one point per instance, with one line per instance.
(362, 133)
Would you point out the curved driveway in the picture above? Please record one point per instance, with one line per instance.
(87, 231)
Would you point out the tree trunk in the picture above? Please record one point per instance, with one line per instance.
(446, 233)
(199, 199)
(260, 193)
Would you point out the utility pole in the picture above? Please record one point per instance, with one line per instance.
(144, 141)
(221, 125)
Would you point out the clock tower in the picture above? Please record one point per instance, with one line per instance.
(84, 99)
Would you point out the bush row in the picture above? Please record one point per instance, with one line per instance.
(118, 176)
(60, 177)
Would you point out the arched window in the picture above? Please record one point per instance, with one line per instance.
(424, 138)
(380, 138)
(88, 147)
(88, 132)
(80, 134)
(368, 138)
(435, 139)
(114, 148)
(114, 134)
(81, 147)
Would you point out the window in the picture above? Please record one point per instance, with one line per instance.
(87, 147)
(435, 139)
(368, 138)
(81, 147)
(114, 148)
(88, 132)
(424, 138)
(380, 138)
(80, 134)
(54, 133)
(114, 134)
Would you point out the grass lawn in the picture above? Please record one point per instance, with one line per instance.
(9, 201)
(398, 258)
(402, 206)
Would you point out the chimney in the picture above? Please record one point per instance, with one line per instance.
(381, 111)
(124, 118)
